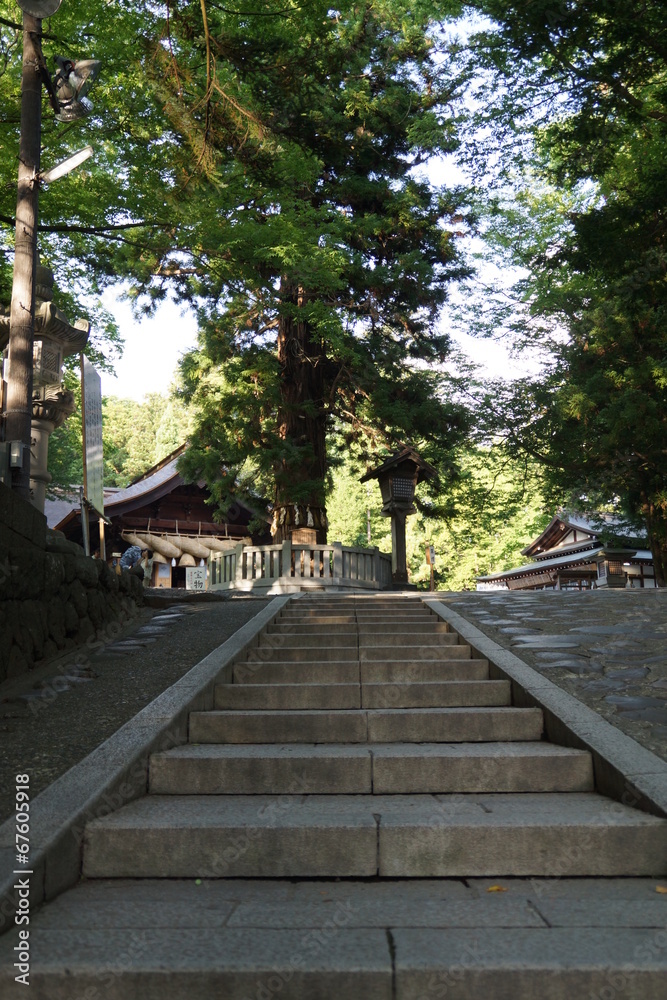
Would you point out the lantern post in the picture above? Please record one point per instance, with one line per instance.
(398, 477)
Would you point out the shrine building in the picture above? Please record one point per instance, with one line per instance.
(572, 553)
(160, 512)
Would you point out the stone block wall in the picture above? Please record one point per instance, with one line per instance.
(52, 597)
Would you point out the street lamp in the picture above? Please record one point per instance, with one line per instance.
(39, 8)
(72, 81)
(65, 166)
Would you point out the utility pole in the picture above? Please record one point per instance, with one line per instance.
(22, 319)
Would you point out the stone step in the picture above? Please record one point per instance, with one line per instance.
(284, 653)
(427, 627)
(310, 601)
(407, 671)
(241, 939)
(417, 614)
(401, 725)
(381, 769)
(398, 836)
(358, 601)
(198, 960)
(290, 650)
(287, 696)
(350, 672)
(406, 769)
(354, 621)
(387, 610)
(437, 694)
(413, 611)
(280, 627)
(323, 639)
(451, 650)
(389, 628)
(416, 640)
(300, 672)
(314, 640)
(133, 963)
(315, 619)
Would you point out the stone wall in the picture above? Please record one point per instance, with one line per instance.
(52, 597)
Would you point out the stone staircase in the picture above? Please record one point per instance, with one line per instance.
(363, 740)
(325, 833)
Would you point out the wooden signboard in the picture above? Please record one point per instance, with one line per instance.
(304, 536)
(195, 578)
(430, 560)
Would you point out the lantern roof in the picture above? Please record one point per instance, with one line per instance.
(405, 456)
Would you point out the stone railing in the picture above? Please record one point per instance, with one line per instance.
(286, 568)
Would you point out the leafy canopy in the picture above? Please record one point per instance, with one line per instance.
(583, 206)
(322, 256)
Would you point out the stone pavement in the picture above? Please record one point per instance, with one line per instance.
(607, 648)
(467, 939)
(52, 717)
(362, 814)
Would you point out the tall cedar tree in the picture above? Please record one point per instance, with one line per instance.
(261, 163)
(319, 255)
(589, 85)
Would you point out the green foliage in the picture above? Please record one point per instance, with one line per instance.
(261, 165)
(496, 508)
(323, 259)
(350, 506)
(139, 435)
(499, 507)
(65, 461)
(589, 220)
(116, 203)
(136, 437)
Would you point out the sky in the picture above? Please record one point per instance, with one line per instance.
(152, 349)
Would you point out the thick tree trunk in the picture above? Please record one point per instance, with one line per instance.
(299, 500)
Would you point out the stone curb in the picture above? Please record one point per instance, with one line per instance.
(624, 770)
(113, 774)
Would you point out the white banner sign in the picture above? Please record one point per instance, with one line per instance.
(93, 459)
(195, 578)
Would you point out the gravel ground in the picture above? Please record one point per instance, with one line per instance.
(608, 648)
(51, 718)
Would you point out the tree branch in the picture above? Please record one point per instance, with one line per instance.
(207, 36)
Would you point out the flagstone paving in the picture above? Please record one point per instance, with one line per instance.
(607, 648)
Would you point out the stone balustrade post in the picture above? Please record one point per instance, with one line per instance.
(338, 560)
(238, 569)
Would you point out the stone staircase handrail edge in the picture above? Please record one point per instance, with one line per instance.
(114, 773)
(624, 770)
